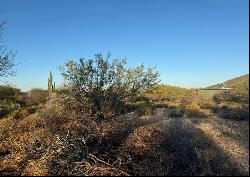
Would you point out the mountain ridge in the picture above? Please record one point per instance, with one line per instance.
(231, 83)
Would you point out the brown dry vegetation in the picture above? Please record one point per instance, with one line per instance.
(57, 141)
(163, 130)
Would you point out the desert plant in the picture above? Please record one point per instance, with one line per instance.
(174, 105)
(6, 57)
(37, 96)
(210, 106)
(145, 109)
(233, 110)
(238, 94)
(170, 94)
(51, 84)
(8, 93)
(4, 111)
(19, 114)
(165, 93)
(106, 86)
(194, 110)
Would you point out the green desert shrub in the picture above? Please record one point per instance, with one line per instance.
(9, 94)
(105, 87)
(194, 110)
(165, 93)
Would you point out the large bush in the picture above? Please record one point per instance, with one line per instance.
(37, 96)
(9, 93)
(104, 87)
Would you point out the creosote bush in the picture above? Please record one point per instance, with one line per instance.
(103, 86)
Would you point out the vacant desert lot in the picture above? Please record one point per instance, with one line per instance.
(152, 145)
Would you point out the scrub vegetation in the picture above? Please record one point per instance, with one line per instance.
(110, 119)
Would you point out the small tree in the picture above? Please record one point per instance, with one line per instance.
(105, 86)
(6, 57)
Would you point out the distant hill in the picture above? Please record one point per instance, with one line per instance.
(232, 83)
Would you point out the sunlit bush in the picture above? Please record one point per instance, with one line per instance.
(9, 95)
(194, 110)
(37, 96)
(104, 86)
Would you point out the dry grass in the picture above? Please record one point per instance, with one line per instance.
(231, 137)
(61, 141)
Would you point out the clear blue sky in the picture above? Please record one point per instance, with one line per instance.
(194, 43)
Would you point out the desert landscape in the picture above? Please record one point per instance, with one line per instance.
(163, 130)
(177, 103)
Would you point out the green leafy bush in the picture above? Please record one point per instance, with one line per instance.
(105, 87)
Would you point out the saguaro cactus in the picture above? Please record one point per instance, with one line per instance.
(51, 85)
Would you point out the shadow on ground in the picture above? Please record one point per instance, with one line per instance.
(172, 146)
